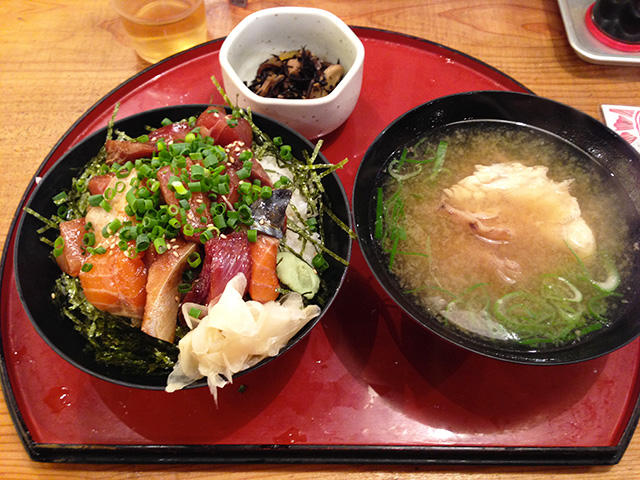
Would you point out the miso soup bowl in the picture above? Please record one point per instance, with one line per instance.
(588, 138)
(272, 31)
(36, 272)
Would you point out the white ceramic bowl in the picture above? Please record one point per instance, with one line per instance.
(274, 30)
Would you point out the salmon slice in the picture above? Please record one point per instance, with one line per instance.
(264, 283)
(116, 283)
(73, 255)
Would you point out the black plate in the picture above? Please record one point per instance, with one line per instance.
(36, 272)
(582, 133)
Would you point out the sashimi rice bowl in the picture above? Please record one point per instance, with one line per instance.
(183, 246)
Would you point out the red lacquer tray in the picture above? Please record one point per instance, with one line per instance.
(367, 384)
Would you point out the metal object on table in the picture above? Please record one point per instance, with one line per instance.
(586, 45)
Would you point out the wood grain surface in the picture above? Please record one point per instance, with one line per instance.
(59, 57)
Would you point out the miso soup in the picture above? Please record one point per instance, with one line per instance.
(505, 232)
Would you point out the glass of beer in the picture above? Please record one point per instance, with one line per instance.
(160, 28)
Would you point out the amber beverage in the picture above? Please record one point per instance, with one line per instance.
(160, 28)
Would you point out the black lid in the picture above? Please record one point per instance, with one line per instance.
(618, 19)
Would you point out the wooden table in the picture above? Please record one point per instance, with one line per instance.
(59, 57)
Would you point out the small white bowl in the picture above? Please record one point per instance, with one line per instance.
(275, 30)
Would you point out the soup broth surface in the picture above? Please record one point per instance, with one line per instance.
(534, 258)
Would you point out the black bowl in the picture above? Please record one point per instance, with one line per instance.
(36, 272)
(592, 140)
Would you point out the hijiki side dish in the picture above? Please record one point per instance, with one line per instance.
(195, 250)
(296, 75)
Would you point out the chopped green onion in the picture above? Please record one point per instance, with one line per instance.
(114, 226)
(153, 185)
(86, 267)
(60, 198)
(281, 182)
(439, 159)
(319, 263)
(244, 173)
(144, 171)
(197, 172)
(195, 186)
(188, 230)
(94, 200)
(143, 192)
(218, 209)
(142, 242)
(89, 239)
(244, 188)
(285, 152)
(266, 192)
(312, 224)
(173, 210)
(194, 259)
(62, 211)
(105, 205)
(245, 215)
(58, 246)
(160, 245)
(555, 287)
(179, 188)
(219, 221)
(206, 236)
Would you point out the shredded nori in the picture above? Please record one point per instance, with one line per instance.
(112, 339)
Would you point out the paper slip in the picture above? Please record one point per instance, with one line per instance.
(625, 121)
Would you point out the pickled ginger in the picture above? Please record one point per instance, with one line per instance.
(231, 335)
